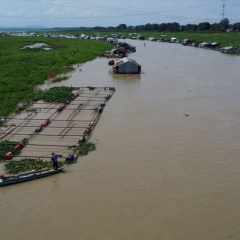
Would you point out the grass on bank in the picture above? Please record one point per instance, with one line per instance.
(22, 70)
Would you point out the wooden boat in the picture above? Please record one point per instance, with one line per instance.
(29, 176)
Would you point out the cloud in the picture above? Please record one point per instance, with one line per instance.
(19, 12)
(87, 13)
(55, 12)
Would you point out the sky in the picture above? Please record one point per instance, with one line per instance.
(92, 13)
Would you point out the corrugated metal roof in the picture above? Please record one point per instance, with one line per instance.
(124, 60)
(227, 48)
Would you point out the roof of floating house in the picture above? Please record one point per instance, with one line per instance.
(124, 60)
(227, 48)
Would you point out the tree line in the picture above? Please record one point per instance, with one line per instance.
(222, 26)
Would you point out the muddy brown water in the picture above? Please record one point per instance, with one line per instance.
(167, 159)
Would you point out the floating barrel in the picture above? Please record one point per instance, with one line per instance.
(92, 123)
(108, 97)
(8, 155)
(44, 124)
(27, 104)
(103, 104)
(112, 88)
(82, 140)
(20, 145)
(100, 109)
(74, 96)
(87, 131)
(3, 120)
(61, 107)
(38, 129)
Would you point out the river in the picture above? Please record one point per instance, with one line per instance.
(167, 159)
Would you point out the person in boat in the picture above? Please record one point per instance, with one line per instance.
(70, 158)
(54, 159)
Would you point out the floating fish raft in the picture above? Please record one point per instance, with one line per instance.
(62, 128)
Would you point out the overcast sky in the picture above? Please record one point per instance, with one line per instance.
(91, 13)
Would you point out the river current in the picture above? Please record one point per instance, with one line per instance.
(167, 159)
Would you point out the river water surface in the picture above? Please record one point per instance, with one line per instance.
(167, 159)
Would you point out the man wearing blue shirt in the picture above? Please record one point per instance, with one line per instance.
(54, 160)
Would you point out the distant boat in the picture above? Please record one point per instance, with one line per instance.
(29, 176)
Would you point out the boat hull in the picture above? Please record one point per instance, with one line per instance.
(29, 176)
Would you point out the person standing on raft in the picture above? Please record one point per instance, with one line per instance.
(54, 160)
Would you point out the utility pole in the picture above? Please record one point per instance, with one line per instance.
(223, 8)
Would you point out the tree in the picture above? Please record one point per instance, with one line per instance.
(130, 27)
(204, 26)
(224, 24)
(121, 27)
(236, 26)
(215, 27)
(175, 27)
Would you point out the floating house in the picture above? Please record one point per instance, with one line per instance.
(174, 40)
(205, 45)
(186, 42)
(126, 65)
(230, 50)
(119, 52)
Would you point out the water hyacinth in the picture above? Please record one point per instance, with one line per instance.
(62, 93)
(28, 164)
(87, 148)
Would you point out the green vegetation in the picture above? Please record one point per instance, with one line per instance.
(22, 70)
(7, 146)
(61, 93)
(28, 164)
(87, 147)
(111, 62)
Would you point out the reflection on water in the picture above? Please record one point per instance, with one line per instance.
(167, 158)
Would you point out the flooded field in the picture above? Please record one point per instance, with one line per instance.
(167, 159)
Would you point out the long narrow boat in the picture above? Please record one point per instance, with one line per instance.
(29, 176)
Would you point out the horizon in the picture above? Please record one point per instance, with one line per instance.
(65, 13)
